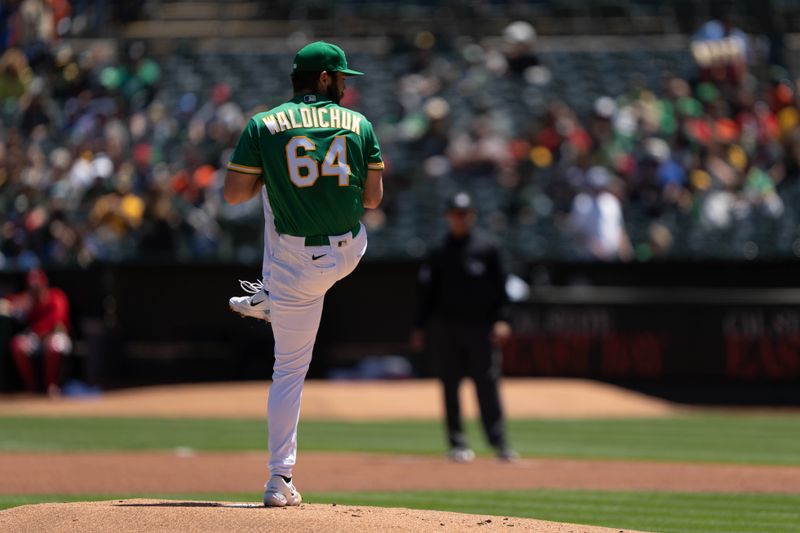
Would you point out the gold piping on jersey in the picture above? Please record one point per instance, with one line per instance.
(244, 169)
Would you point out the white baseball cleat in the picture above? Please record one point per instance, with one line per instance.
(256, 305)
(280, 493)
(461, 454)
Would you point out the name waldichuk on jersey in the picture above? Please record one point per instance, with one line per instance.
(313, 117)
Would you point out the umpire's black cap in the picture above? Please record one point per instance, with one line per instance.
(460, 201)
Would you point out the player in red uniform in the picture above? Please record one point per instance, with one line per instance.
(44, 311)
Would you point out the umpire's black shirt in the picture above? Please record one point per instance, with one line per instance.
(463, 280)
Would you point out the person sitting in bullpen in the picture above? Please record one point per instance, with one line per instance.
(461, 320)
(43, 312)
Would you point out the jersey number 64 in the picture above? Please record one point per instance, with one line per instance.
(334, 163)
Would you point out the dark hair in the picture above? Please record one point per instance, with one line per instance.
(305, 81)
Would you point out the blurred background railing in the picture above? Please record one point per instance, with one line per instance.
(729, 338)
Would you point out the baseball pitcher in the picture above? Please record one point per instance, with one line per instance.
(321, 165)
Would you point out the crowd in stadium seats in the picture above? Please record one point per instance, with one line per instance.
(110, 154)
(664, 167)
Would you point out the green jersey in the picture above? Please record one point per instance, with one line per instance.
(313, 156)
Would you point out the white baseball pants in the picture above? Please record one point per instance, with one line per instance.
(300, 277)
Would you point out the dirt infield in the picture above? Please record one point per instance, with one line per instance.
(152, 516)
(340, 400)
(160, 472)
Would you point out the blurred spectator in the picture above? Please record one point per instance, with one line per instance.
(35, 109)
(37, 23)
(43, 312)
(519, 42)
(481, 151)
(15, 75)
(158, 231)
(596, 220)
(720, 50)
(659, 241)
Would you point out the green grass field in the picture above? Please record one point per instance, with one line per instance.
(739, 439)
(709, 438)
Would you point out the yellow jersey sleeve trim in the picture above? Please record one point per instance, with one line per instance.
(244, 169)
(375, 166)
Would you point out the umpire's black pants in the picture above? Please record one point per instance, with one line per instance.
(463, 349)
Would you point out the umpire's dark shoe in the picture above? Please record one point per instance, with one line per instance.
(506, 454)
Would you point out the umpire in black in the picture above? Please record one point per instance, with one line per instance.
(463, 307)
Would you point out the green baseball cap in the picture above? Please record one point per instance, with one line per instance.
(319, 56)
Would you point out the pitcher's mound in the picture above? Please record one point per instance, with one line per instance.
(193, 516)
